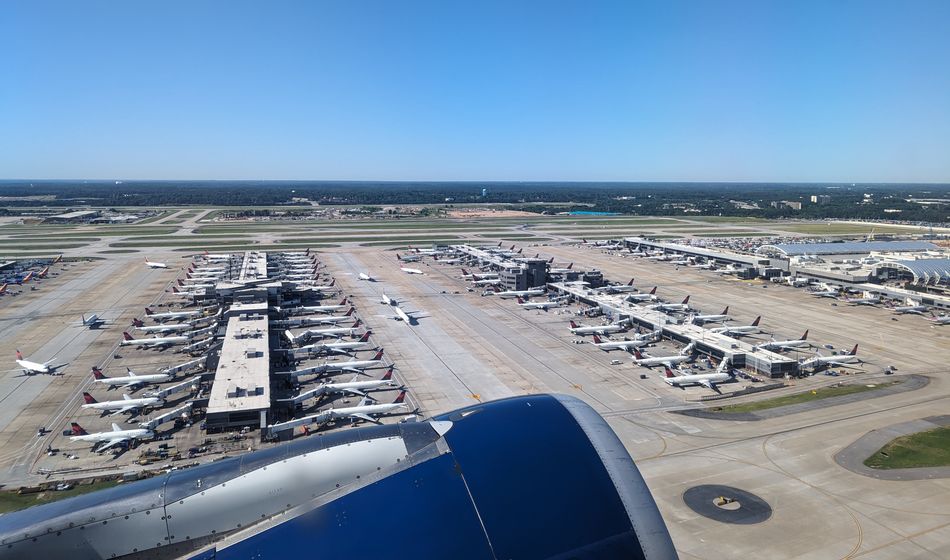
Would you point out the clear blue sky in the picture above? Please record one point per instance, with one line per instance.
(461, 90)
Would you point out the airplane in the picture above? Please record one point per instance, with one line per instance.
(355, 366)
(681, 262)
(704, 266)
(668, 361)
(408, 258)
(293, 322)
(410, 270)
(362, 412)
(825, 293)
(841, 360)
(386, 300)
(784, 344)
(739, 329)
(43, 273)
(628, 345)
(115, 437)
(486, 281)
(171, 314)
(132, 380)
(520, 293)
(317, 308)
(336, 347)
(161, 328)
(153, 264)
(941, 320)
(565, 270)
(27, 278)
(684, 306)
(545, 305)
(3, 289)
(651, 295)
(600, 243)
(708, 380)
(221, 256)
(125, 405)
(871, 300)
(602, 329)
(129, 340)
(30, 368)
(93, 321)
(353, 386)
(367, 277)
(711, 318)
(403, 316)
(188, 293)
(337, 332)
(916, 309)
(620, 288)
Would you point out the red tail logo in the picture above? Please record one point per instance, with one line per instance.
(343, 302)
(573, 325)
(127, 336)
(149, 311)
(725, 311)
(854, 351)
(97, 373)
(389, 374)
(630, 283)
(637, 354)
(597, 339)
(401, 398)
(652, 292)
(137, 323)
(365, 337)
(88, 398)
(804, 336)
(350, 312)
(686, 300)
(77, 429)
(756, 322)
(669, 372)
(357, 323)
(379, 355)
(19, 356)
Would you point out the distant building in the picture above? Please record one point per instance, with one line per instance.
(820, 199)
(484, 193)
(77, 217)
(793, 204)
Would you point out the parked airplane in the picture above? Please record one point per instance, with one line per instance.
(132, 380)
(354, 366)
(684, 306)
(129, 340)
(30, 368)
(153, 264)
(179, 315)
(545, 305)
(324, 333)
(594, 329)
(520, 293)
(739, 330)
(401, 315)
(711, 318)
(161, 328)
(870, 300)
(409, 258)
(316, 308)
(127, 404)
(336, 347)
(367, 277)
(626, 344)
(941, 320)
(352, 387)
(784, 344)
(565, 270)
(219, 256)
(3, 288)
(685, 355)
(708, 380)
(93, 321)
(362, 411)
(841, 360)
(651, 295)
(916, 309)
(115, 437)
(620, 288)
(410, 270)
(825, 293)
(386, 300)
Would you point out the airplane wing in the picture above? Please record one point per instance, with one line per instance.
(121, 410)
(710, 385)
(354, 370)
(365, 417)
(354, 392)
(112, 442)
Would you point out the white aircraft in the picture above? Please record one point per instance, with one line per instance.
(125, 405)
(161, 328)
(335, 347)
(408, 258)
(668, 361)
(129, 340)
(565, 270)
(386, 300)
(132, 380)
(620, 288)
(293, 322)
(520, 293)
(784, 344)
(179, 315)
(219, 256)
(153, 264)
(353, 387)
(367, 277)
(869, 300)
(681, 262)
(916, 309)
(486, 282)
(403, 316)
(841, 360)
(361, 412)
(354, 366)
(711, 318)
(941, 320)
(30, 368)
(545, 305)
(594, 329)
(684, 306)
(651, 295)
(739, 330)
(410, 270)
(115, 437)
(628, 345)
(708, 380)
(337, 332)
(471, 275)
(316, 308)
(93, 321)
(825, 293)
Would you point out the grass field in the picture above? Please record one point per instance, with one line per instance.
(11, 501)
(237, 248)
(796, 398)
(732, 234)
(840, 229)
(923, 449)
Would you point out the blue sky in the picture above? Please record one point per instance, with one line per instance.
(451, 90)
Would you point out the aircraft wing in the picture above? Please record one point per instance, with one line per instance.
(353, 370)
(365, 417)
(710, 385)
(112, 442)
(123, 409)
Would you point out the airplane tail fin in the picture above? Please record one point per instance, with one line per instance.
(77, 429)
(725, 311)
(465, 272)
(97, 373)
(343, 302)
(669, 372)
(137, 323)
(357, 323)
(379, 355)
(637, 354)
(804, 336)
(597, 339)
(389, 374)
(652, 292)
(130, 372)
(630, 283)
(854, 351)
(149, 311)
(89, 398)
(573, 325)
(333, 282)
(570, 266)
(686, 300)
(365, 337)
(756, 322)
(350, 312)
(127, 336)
(401, 398)
(520, 300)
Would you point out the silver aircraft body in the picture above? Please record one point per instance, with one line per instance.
(127, 404)
(840, 360)
(784, 344)
(363, 411)
(131, 380)
(667, 361)
(34, 367)
(595, 329)
(129, 340)
(110, 439)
